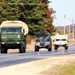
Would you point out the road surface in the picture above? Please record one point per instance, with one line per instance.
(13, 58)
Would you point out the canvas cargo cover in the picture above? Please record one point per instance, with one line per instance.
(61, 36)
(15, 23)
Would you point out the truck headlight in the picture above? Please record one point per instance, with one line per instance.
(18, 42)
(2, 42)
(3, 37)
(37, 44)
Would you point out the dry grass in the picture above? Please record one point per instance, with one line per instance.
(63, 68)
(68, 70)
(71, 42)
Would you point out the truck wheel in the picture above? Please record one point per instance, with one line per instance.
(66, 47)
(21, 49)
(56, 48)
(6, 50)
(3, 50)
(24, 47)
(36, 49)
(49, 48)
(0, 48)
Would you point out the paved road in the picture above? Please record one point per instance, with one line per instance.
(17, 58)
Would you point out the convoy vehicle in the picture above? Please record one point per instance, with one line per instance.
(13, 35)
(61, 40)
(43, 40)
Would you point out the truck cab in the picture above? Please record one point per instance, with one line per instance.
(61, 40)
(12, 37)
(43, 40)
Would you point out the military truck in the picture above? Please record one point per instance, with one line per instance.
(61, 41)
(43, 40)
(13, 35)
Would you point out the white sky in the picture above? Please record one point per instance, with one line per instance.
(63, 7)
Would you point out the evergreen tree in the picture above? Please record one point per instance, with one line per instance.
(33, 12)
(48, 19)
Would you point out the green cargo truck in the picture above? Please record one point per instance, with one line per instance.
(13, 35)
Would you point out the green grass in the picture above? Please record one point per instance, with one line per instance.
(68, 70)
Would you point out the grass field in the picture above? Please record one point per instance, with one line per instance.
(63, 68)
(68, 70)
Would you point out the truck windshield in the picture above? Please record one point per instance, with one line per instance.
(57, 39)
(63, 39)
(60, 39)
(10, 30)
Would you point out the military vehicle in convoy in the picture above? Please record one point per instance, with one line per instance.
(61, 41)
(13, 35)
(43, 40)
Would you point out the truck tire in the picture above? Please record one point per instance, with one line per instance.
(21, 49)
(49, 48)
(56, 47)
(66, 47)
(3, 50)
(25, 48)
(36, 49)
(0, 48)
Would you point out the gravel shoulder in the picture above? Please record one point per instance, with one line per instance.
(40, 67)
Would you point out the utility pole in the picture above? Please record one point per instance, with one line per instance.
(73, 27)
(69, 29)
(64, 24)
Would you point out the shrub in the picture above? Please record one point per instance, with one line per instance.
(28, 39)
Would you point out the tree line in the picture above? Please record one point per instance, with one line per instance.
(35, 13)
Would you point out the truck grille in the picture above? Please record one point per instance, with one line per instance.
(10, 40)
(42, 44)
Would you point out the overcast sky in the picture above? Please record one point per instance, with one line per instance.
(63, 7)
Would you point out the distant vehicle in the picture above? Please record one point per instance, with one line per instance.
(43, 40)
(13, 35)
(61, 40)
